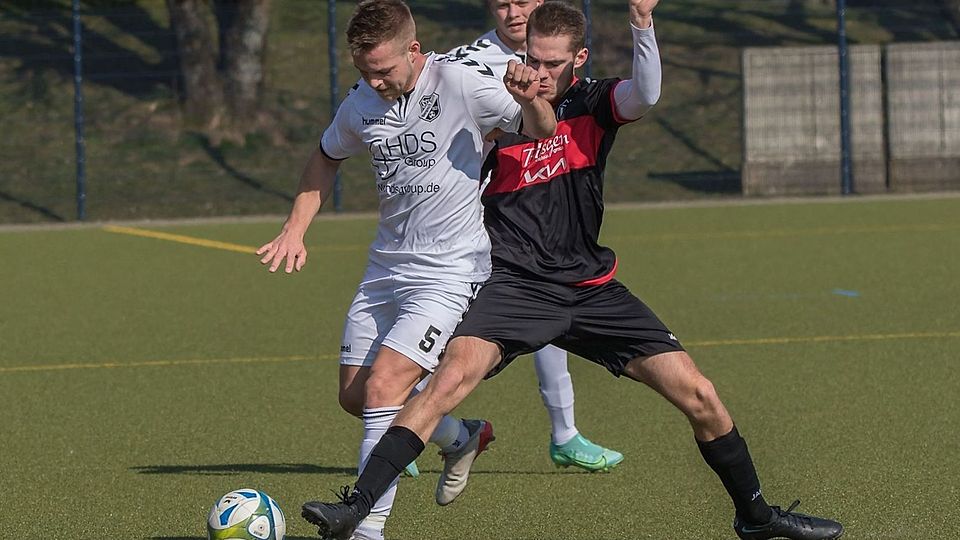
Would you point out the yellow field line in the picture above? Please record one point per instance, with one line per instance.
(302, 358)
(202, 242)
(774, 233)
(166, 363)
(819, 339)
(180, 238)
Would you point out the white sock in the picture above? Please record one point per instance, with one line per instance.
(556, 389)
(375, 424)
(450, 434)
(371, 528)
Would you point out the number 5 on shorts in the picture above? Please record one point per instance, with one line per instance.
(429, 339)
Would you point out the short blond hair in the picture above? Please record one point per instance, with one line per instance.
(376, 22)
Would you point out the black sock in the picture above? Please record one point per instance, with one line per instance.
(397, 448)
(729, 458)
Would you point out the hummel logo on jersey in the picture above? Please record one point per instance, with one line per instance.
(430, 107)
(481, 68)
(485, 71)
(374, 121)
(464, 51)
(673, 337)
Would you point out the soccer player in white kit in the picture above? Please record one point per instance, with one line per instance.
(506, 42)
(421, 118)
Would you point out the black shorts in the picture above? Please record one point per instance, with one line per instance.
(605, 324)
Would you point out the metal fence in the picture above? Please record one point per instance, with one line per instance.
(143, 160)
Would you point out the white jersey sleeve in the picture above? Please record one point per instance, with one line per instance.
(635, 96)
(491, 106)
(341, 139)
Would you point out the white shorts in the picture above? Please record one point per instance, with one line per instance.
(413, 316)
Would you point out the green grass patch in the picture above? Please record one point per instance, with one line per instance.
(142, 379)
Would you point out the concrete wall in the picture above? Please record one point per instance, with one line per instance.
(905, 119)
(792, 120)
(923, 112)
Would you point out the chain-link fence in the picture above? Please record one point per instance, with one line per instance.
(145, 159)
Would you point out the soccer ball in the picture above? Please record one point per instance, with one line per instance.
(246, 514)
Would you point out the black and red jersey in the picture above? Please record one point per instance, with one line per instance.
(543, 207)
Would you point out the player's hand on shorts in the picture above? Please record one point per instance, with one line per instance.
(284, 246)
(522, 81)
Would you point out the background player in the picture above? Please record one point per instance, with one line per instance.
(422, 119)
(508, 41)
(552, 282)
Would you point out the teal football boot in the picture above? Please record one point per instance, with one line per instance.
(411, 470)
(580, 452)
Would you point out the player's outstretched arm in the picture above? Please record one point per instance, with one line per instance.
(523, 83)
(635, 96)
(316, 183)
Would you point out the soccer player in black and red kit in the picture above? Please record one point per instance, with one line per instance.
(552, 283)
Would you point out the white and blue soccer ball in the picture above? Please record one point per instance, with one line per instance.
(246, 514)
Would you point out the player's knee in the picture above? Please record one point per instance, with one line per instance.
(351, 401)
(381, 392)
(703, 401)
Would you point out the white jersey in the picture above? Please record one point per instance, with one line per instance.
(490, 50)
(426, 151)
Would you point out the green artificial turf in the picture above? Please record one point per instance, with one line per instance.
(141, 379)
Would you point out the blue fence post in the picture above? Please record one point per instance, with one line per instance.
(78, 112)
(589, 37)
(334, 93)
(846, 174)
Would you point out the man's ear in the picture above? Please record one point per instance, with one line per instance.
(581, 57)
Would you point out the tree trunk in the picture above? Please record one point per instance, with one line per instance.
(243, 53)
(203, 102)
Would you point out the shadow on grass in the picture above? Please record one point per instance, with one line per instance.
(216, 154)
(714, 182)
(44, 44)
(240, 468)
(297, 468)
(43, 211)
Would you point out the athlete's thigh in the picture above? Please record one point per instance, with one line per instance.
(518, 315)
(611, 327)
(428, 312)
(370, 317)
